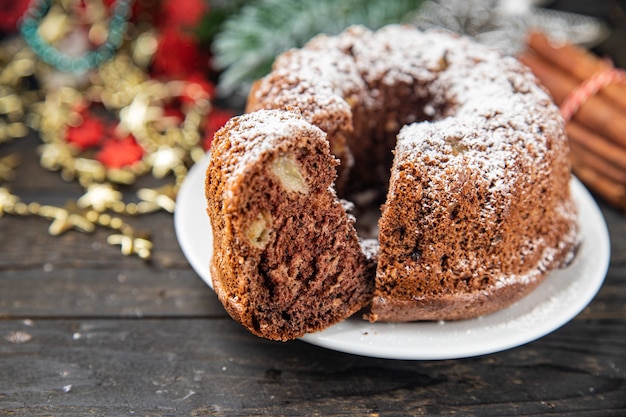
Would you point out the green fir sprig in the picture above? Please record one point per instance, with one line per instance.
(250, 40)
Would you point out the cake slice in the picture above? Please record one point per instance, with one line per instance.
(287, 260)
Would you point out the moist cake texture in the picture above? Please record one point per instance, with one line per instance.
(287, 260)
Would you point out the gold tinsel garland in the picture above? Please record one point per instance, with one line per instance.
(126, 92)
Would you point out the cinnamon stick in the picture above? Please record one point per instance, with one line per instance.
(595, 161)
(592, 96)
(611, 191)
(577, 61)
(596, 114)
(596, 144)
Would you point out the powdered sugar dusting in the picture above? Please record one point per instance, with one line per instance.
(548, 259)
(370, 248)
(319, 81)
(490, 128)
(495, 110)
(498, 113)
(254, 134)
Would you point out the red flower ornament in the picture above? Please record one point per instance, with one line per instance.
(120, 153)
(177, 56)
(10, 13)
(181, 13)
(215, 121)
(88, 134)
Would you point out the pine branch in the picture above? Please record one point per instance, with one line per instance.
(220, 11)
(250, 40)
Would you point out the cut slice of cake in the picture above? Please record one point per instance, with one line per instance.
(287, 260)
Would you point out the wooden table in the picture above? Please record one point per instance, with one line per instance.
(87, 331)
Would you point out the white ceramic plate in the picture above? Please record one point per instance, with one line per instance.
(561, 296)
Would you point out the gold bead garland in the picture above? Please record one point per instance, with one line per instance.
(16, 64)
(126, 93)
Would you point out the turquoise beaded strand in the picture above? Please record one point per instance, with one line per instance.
(79, 65)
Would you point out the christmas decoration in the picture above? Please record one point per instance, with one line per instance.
(503, 24)
(117, 90)
(251, 38)
(112, 97)
(31, 23)
(592, 96)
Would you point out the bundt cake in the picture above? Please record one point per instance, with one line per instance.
(468, 149)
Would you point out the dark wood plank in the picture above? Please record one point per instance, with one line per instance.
(80, 275)
(106, 293)
(609, 303)
(214, 367)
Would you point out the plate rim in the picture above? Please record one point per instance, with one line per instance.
(588, 210)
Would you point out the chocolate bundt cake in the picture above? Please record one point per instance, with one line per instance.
(287, 257)
(469, 150)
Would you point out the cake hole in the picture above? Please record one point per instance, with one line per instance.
(258, 233)
(254, 321)
(467, 281)
(454, 209)
(416, 254)
(444, 262)
(398, 234)
(287, 170)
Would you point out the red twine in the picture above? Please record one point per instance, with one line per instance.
(590, 87)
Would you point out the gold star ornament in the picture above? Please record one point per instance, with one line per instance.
(132, 245)
(70, 217)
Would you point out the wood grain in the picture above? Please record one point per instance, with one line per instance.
(214, 367)
(85, 331)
